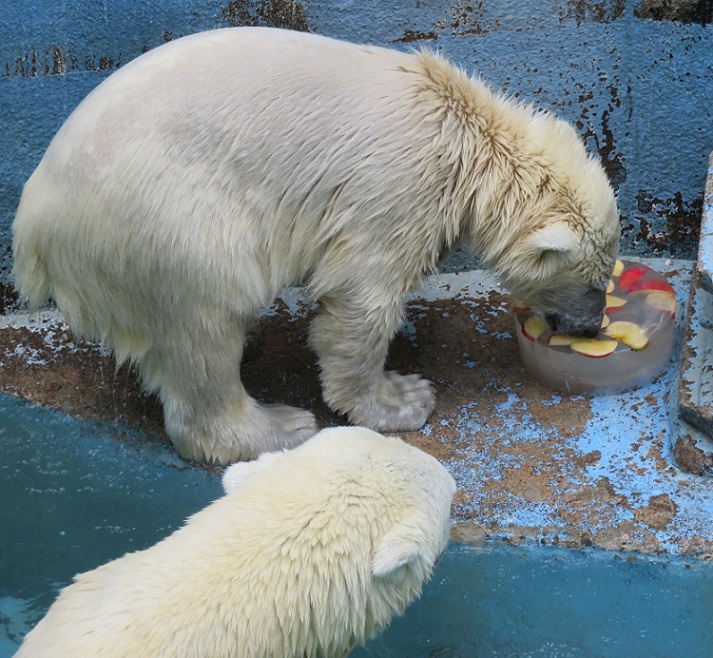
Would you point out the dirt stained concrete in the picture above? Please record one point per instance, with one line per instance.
(531, 464)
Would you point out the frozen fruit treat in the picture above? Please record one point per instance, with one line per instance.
(632, 345)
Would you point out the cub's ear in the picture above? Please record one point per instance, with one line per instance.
(557, 237)
(237, 474)
(401, 545)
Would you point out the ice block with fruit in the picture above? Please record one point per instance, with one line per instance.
(631, 348)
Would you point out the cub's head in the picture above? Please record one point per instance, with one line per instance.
(403, 494)
(363, 517)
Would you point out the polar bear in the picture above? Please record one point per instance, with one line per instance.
(198, 180)
(311, 552)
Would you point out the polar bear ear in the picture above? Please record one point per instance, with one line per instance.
(557, 237)
(402, 545)
(237, 474)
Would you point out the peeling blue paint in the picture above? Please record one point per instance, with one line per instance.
(705, 248)
(639, 91)
(693, 449)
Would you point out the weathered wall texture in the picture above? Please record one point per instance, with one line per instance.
(635, 76)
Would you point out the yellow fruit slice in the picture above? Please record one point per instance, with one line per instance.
(615, 302)
(610, 287)
(593, 347)
(519, 307)
(662, 301)
(628, 333)
(618, 268)
(534, 327)
(560, 340)
(605, 321)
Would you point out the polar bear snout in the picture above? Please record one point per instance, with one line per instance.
(564, 325)
(579, 315)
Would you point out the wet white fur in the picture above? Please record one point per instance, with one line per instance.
(201, 178)
(310, 552)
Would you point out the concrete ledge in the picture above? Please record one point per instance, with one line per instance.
(704, 266)
(693, 450)
(531, 464)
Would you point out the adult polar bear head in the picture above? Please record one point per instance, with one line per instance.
(310, 552)
(536, 206)
(201, 178)
(562, 259)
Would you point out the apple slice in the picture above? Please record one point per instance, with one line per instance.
(593, 347)
(561, 340)
(650, 284)
(519, 307)
(614, 303)
(534, 327)
(610, 287)
(605, 321)
(631, 275)
(632, 335)
(662, 301)
(618, 268)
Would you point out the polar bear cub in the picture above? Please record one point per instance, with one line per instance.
(311, 552)
(201, 178)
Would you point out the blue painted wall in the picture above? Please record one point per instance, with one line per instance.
(638, 85)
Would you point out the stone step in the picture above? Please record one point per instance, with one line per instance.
(693, 451)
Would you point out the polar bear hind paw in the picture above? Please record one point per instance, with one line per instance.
(401, 403)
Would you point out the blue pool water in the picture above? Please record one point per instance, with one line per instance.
(544, 602)
(74, 495)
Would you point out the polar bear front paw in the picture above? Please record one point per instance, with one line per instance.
(271, 427)
(400, 403)
(232, 437)
(295, 425)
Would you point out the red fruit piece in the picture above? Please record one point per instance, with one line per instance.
(630, 276)
(650, 284)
